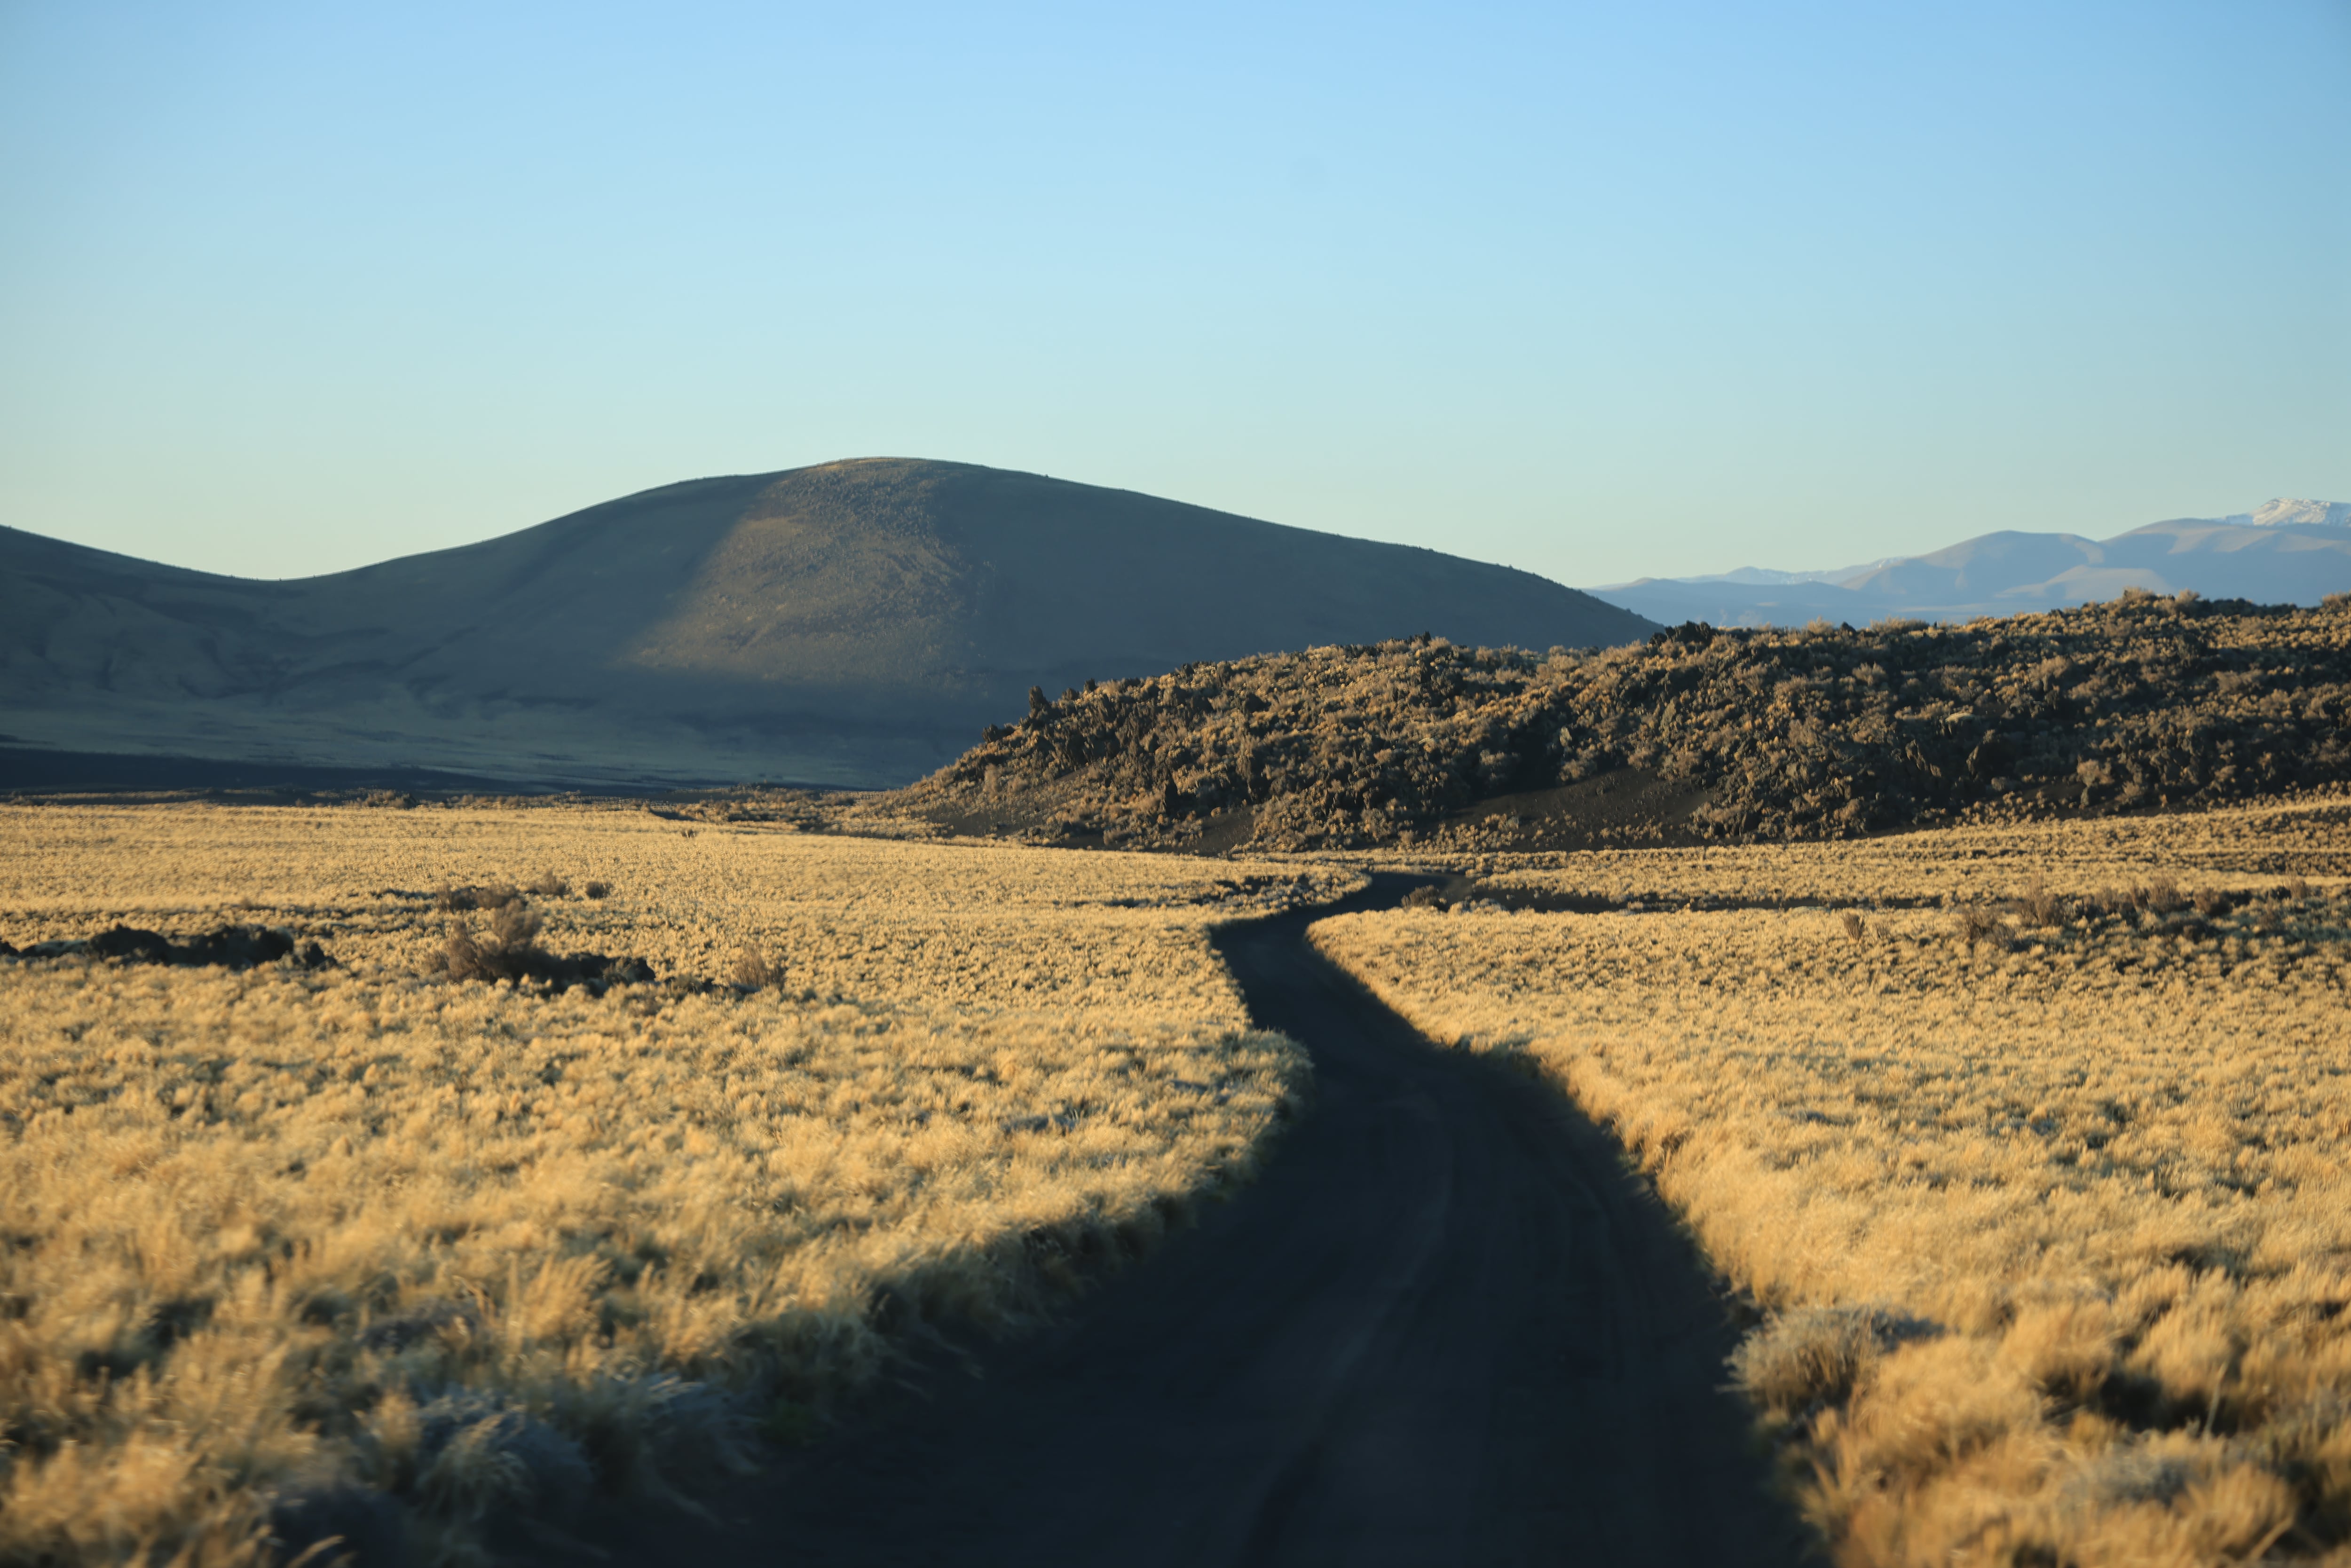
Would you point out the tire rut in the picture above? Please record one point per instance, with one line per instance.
(1444, 1326)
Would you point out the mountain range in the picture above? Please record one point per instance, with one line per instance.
(2285, 552)
(854, 623)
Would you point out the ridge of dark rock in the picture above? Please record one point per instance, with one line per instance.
(1699, 735)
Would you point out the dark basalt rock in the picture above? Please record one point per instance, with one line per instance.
(229, 946)
(1737, 736)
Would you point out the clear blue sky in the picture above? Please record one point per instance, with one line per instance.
(1599, 290)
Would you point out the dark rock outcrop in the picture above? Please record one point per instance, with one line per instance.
(229, 946)
(1728, 734)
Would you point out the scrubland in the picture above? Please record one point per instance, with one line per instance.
(2041, 1199)
(366, 1249)
(2242, 847)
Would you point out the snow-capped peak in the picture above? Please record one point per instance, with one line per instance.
(2284, 514)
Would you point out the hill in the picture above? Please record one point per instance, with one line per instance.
(1737, 736)
(2285, 552)
(854, 623)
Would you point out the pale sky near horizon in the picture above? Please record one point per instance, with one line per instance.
(1597, 290)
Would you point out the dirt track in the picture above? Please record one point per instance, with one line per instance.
(1445, 1327)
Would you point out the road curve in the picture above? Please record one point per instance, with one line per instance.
(1445, 1326)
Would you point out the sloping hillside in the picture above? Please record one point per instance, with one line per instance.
(1697, 735)
(2285, 552)
(853, 623)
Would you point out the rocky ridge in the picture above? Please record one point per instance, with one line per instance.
(1697, 735)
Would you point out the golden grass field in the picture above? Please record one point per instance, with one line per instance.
(2051, 1230)
(2242, 847)
(289, 1236)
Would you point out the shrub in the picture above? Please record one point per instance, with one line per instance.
(1973, 922)
(1423, 897)
(509, 952)
(755, 970)
(551, 886)
(1814, 1356)
(2211, 900)
(1854, 926)
(463, 957)
(597, 889)
(2039, 906)
(458, 900)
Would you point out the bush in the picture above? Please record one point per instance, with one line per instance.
(551, 886)
(597, 889)
(458, 900)
(510, 951)
(1972, 923)
(1814, 1356)
(2039, 906)
(755, 970)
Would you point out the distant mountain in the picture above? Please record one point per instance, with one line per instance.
(2285, 552)
(2289, 514)
(1762, 576)
(854, 623)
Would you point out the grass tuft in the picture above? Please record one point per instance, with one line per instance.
(755, 970)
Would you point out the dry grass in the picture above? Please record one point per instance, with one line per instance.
(2052, 1227)
(281, 1238)
(2237, 848)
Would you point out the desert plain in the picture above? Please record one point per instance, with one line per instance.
(280, 1234)
(2016, 1149)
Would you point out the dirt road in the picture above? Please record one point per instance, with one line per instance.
(1445, 1327)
